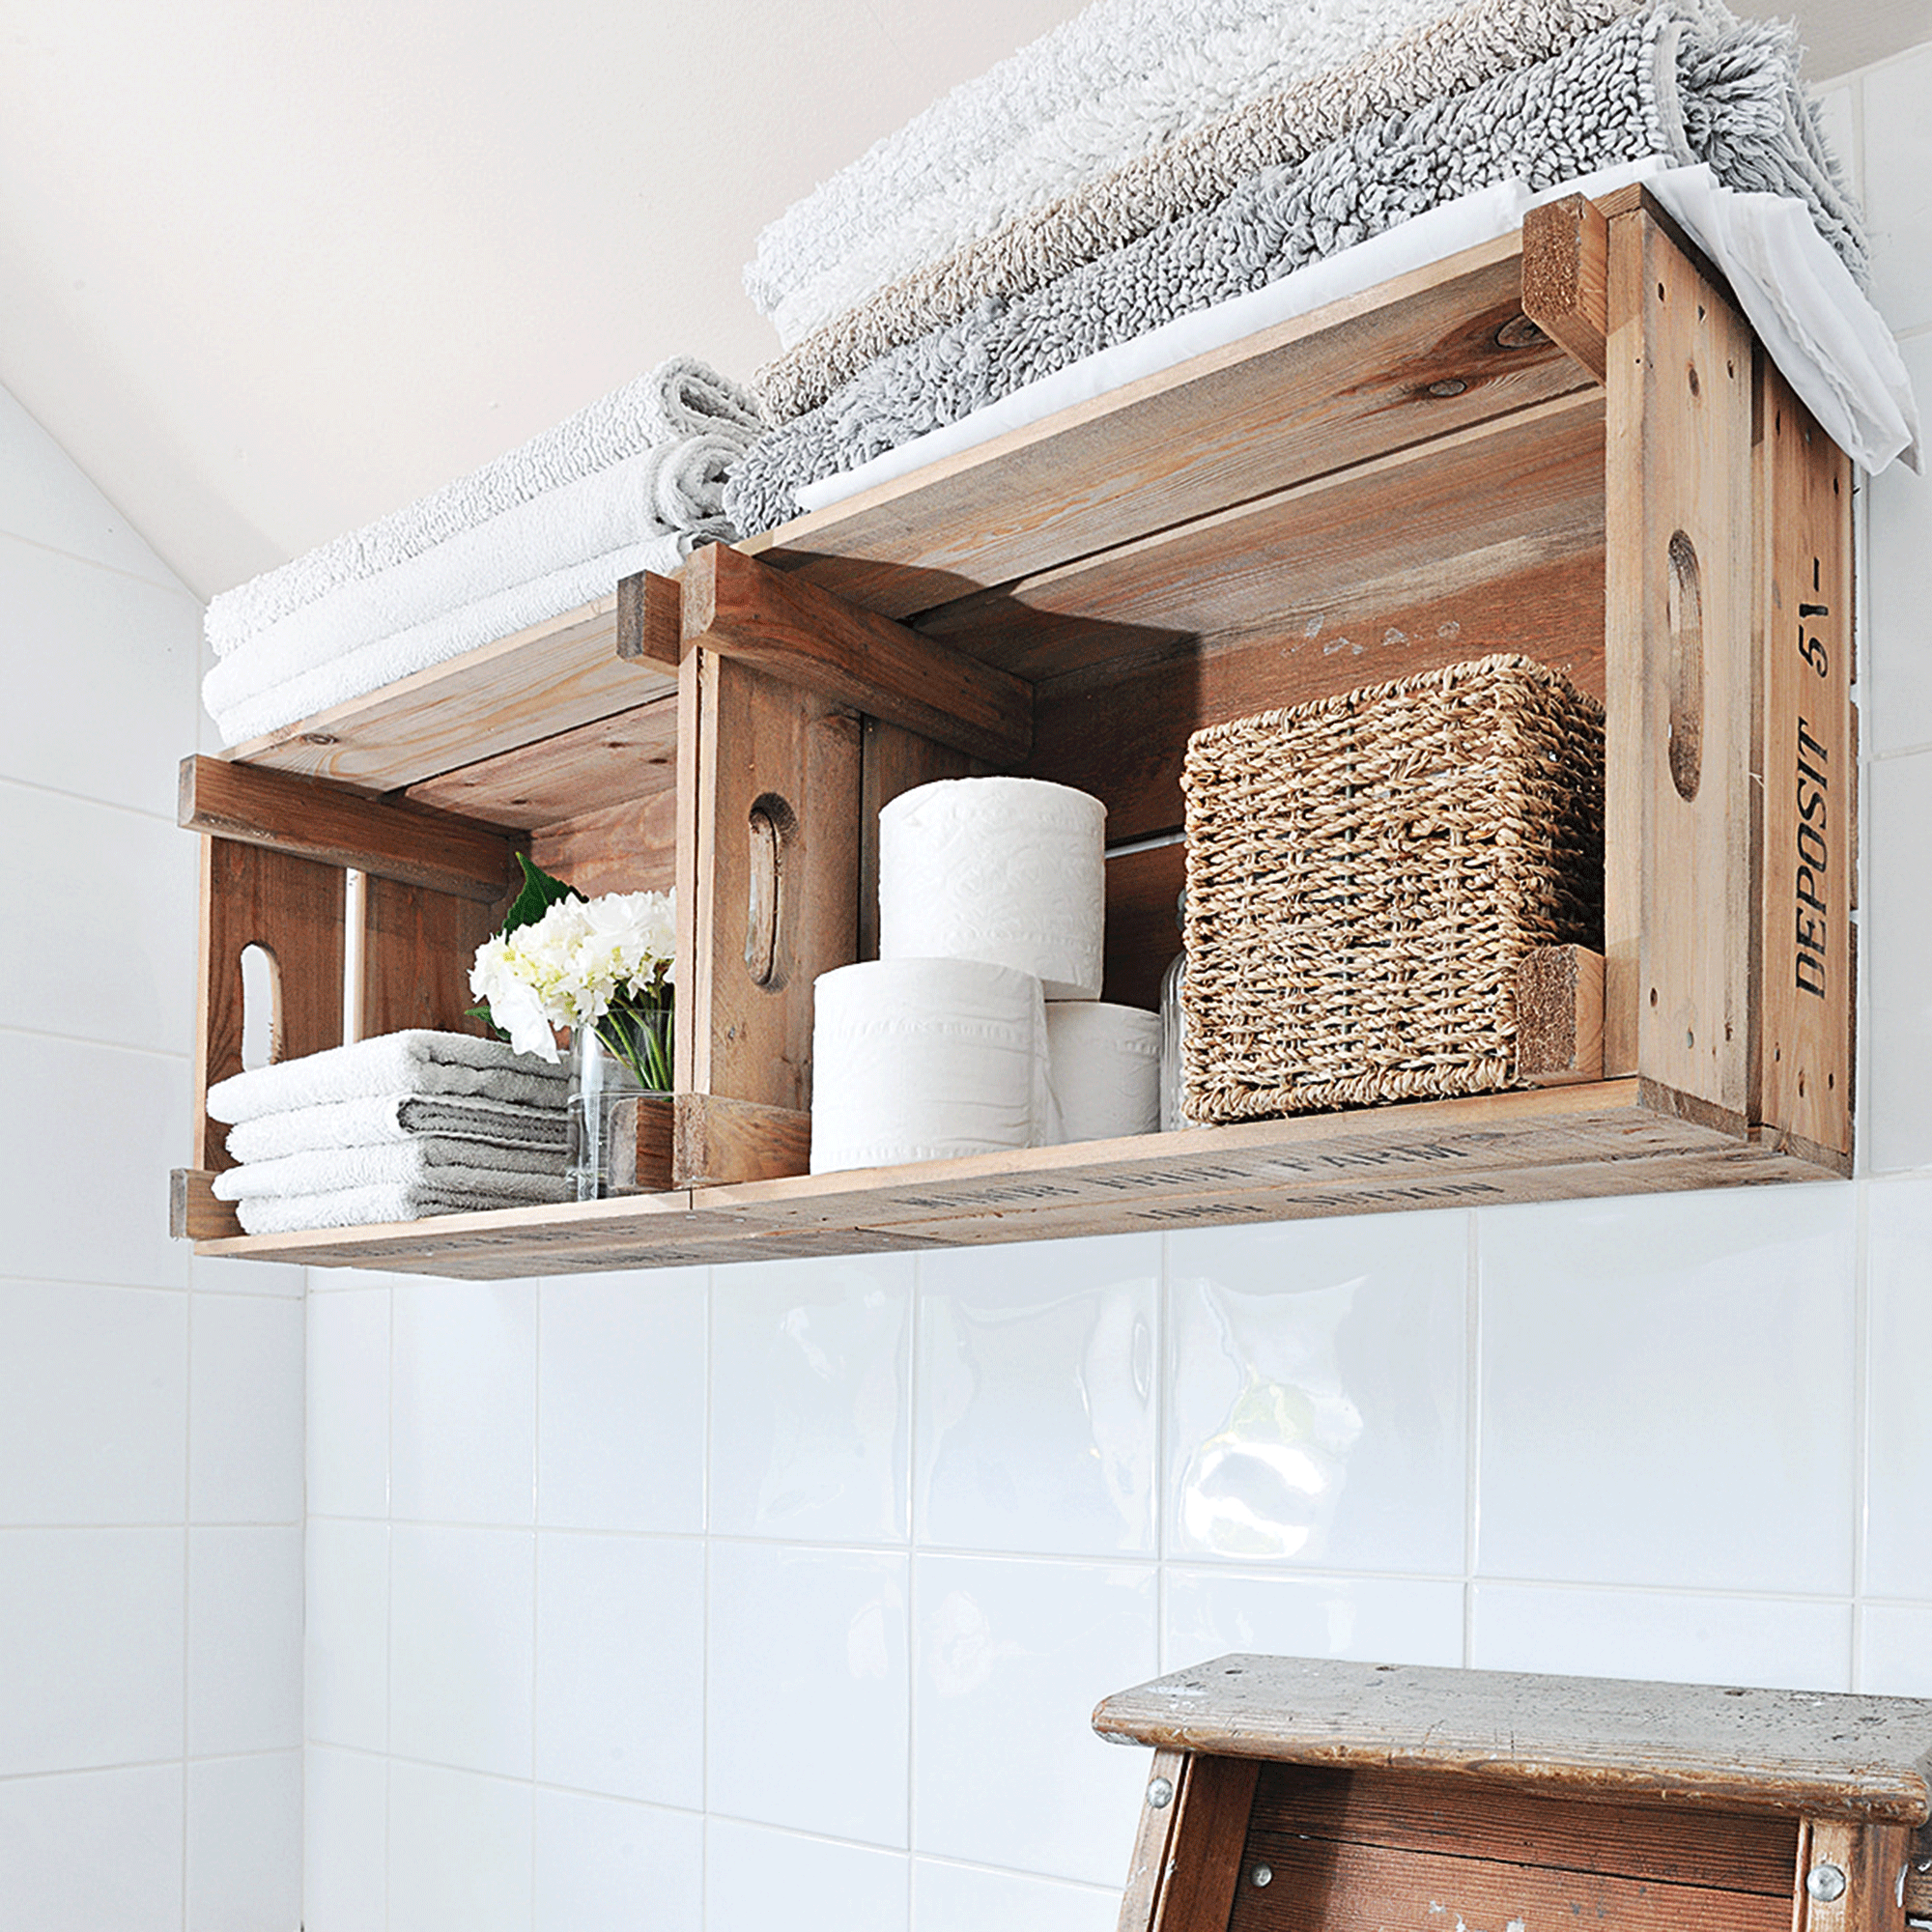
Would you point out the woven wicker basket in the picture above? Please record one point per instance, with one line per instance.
(1364, 875)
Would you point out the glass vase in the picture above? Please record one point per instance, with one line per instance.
(610, 1065)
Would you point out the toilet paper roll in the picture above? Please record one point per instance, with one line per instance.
(1104, 1064)
(1010, 870)
(926, 1059)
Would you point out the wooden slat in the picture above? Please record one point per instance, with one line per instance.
(194, 1214)
(790, 629)
(1872, 1860)
(1679, 911)
(1662, 1843)
(718, 1141)
(1823, 1753)
(417, 946)
(1566, 276)
(315, 818)
(1804, 767)
(1196, 1885)
(630, 847)
(1560, 1015)
(630, 755)
(1154, 1838)
(1422, 355)
(293, 909)
(647, 619)
(531, 684)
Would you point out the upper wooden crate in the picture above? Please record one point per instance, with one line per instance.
(1565, 444)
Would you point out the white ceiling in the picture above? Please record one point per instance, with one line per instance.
(267, 271)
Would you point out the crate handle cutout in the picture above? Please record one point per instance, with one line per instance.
(773, 827)
(1686, 601)
(261, 1007)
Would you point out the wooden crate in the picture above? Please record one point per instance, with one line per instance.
(1297, 1795)
(1565, 444)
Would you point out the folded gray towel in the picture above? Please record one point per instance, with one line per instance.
(469, 1166)
(408, 1201)
(389, 1117)
(416, 1061)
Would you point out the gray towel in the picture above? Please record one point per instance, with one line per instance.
(471, 1167)
(1660, 82)
(387, 1118)
(416, 1061)
(365, 1207)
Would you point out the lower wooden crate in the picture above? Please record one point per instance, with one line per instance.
(1563, 1143)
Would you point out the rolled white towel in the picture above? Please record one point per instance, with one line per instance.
(680, 398)
(387, 1119)
(364, 1206)
(461, 1166)
(416, 1061)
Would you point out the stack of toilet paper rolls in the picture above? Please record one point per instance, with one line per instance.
(979, 1027)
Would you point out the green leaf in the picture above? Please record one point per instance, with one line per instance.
(540, 892)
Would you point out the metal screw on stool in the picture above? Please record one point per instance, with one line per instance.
(1159, 1795)
(1261, 1875)
(1826, 1882)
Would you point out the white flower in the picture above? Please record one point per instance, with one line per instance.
(570, 966)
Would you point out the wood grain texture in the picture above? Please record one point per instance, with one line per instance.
(1142, 932)
(1679, 908)
(1872, 1860)
(718, 1141)
(194, 1214)
(1420, 356)
(648, 629)
(417, 946)
(531, 684)
(1204, 1862)
(1566, 276)
(316, 818)
(1804, 778)
(630, 755)
(1819, 1754)
(790, 629)
(1154, 1838)
(292, 908)
(1560, 1015)
(630, 847)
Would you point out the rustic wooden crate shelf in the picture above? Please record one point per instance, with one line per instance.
(1564, 443)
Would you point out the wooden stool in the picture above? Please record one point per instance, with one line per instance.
(1289, 1794)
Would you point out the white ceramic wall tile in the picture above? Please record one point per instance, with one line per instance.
(244, 1847)
(245, 1623)
(1679, 1638)
(346, 1641)
(101, 1849)
(806, 1669)
(92, 1404)
(1666, 1390)
(756, 1879)
(1317, 1392)
(214, 1274)
(45, 498)
(101, 679)
(462, 1642)
(811, 1417)
(345, 1841)
(620, 1666)
(1895, 1650)
(348, 1401)
(621, 1401)
(1208, 1612)
(1899, 1420)
(1897, 671)
(1898, 186)
(84, 1196)
(1036, 1397)
(245, 1410)
(460, 1852)
(606, 1865)
(1014, 1655)
(91, 1632)
(125, 884)
(1895, 905)
(965, 1898)
(462, 1411)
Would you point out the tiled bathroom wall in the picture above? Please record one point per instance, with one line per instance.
(151, 1408)
(782, 1593)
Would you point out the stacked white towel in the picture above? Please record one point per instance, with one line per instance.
(394, 1128)
(634, 482)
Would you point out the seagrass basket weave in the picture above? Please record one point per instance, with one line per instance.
(1364, 875)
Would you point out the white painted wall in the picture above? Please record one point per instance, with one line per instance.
(150, 1411)
(780, 1594)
